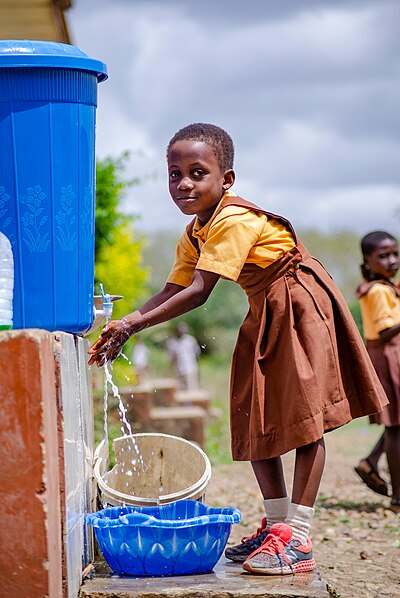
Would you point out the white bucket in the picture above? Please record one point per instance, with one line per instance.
(170, 469)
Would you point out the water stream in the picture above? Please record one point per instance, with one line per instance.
(126, 428)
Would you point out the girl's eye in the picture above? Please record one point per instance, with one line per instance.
(174, 174)
(197, 172)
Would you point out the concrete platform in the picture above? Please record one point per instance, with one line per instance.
(227, 580)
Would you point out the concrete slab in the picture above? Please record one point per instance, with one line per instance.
(227, 580)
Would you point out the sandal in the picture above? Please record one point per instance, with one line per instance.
(371, 477)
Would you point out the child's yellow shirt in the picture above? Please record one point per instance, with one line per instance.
(235, 237)
(380, 309)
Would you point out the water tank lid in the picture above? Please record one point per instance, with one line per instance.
(37, 53)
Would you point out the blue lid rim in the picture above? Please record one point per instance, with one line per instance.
(44, 54)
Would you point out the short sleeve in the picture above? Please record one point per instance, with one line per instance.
(185, 262)
(381, 311)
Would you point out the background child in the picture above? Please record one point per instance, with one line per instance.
(299, 368)
(380, 310)
(184, 350)
(140, 360)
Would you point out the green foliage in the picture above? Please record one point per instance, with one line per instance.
(118, 250)
(118, 255)
(110, 188)
(355, 309)
(121, 271)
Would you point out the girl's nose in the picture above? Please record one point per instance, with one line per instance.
(185, 183)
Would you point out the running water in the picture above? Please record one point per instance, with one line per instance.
(126, 429)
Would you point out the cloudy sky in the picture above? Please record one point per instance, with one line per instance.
(308, 89)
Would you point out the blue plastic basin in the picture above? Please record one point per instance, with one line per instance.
(181, 538)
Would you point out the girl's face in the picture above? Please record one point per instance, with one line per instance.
(384, 260)
(196, 180)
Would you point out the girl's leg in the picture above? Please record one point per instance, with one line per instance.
(270, 477)
(392, 448)
(377, 451)
(310, 461)
(271, 480)
(309, 467)
(368, 471)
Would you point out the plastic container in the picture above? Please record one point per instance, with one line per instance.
(48, 99)
(182, 538)
(6, 283)
(151, 469)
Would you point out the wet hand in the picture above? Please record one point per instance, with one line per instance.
(110, 342)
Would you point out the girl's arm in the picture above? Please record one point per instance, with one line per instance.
(169, 303)
(386, 335)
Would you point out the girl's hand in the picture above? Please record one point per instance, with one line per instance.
(110, 342)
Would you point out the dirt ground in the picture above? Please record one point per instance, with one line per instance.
(356, 538)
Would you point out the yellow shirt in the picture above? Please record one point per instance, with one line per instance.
(380, 309)
(237, 236)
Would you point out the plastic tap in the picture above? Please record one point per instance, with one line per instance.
(107, 307)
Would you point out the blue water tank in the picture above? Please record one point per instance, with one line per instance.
(48, 100)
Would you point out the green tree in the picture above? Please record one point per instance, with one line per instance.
(121, 271)
(110, 190)
(118, 249)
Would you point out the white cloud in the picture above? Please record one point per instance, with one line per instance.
(309, 92)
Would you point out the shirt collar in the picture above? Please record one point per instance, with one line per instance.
(200, 231)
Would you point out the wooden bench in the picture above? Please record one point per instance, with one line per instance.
(186, 422)
(163, 390)
(196, 397)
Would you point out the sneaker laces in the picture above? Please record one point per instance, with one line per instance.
(274, 545)
(259, 531)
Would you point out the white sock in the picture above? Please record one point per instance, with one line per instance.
(300, 518)
(276, 509)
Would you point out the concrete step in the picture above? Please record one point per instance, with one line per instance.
(226, 580)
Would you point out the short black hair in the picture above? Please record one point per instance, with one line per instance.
(371, 240)
(214, 136)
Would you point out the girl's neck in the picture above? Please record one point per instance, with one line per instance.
(375, 276)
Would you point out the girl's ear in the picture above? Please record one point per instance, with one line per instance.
(229, 179)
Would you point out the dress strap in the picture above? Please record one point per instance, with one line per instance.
(192, 239)
(235, 200)
(365, 286)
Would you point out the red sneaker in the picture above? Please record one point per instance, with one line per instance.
(248, 545)
(280, 555)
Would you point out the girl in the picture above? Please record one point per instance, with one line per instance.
(299, 368)
(380, 310)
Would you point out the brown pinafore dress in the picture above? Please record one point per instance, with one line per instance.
(386, 360)
(300, 367)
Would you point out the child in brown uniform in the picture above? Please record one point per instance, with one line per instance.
(380, 310)
(299, 368)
